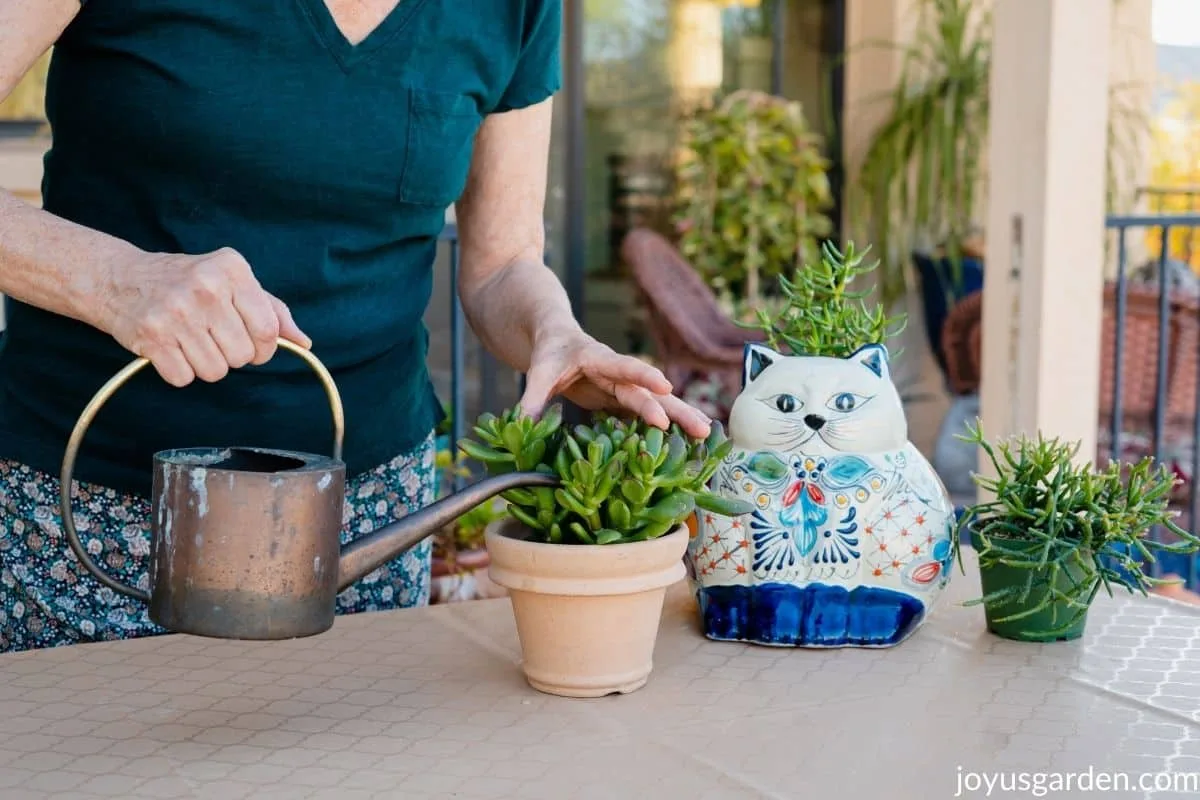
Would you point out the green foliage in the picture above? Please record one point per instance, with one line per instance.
(821, 315)
(620, 481)
(447, 424)
(469, 528)
(919, 178)
(926, 165)
(751, 189)
(1051, 516)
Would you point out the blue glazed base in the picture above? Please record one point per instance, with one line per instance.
(816, 616)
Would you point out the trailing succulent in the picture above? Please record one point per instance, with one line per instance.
(1051, 516)
(619, 481)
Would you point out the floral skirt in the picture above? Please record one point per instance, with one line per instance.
(48, 599)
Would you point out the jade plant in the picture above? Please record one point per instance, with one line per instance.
(619, 481)
(1067, 529)
(821, 315)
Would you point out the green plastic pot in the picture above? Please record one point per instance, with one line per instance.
(1047, 624)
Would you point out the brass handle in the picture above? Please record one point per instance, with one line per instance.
(105, 394)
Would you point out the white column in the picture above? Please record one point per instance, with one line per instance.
(871, 72)
(1049, 108)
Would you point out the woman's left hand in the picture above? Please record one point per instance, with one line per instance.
(593, 376)
(517, 305)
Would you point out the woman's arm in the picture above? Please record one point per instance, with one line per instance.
(516, 304)
(192, 316)
(507, 292)
(45, 261)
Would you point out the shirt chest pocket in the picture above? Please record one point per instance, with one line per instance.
(441, 138)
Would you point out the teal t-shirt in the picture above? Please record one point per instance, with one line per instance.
(190, 125)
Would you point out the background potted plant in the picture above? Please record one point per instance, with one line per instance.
(849, 540)
(921, 177)
(460, 556)
(751, 192)
(920, 195)
(587, 564)
(442, 434)
(1054, 532)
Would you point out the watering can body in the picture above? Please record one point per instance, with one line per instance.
(246, 541)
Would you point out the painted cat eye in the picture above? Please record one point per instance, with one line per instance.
(786, 403)
(846, 401)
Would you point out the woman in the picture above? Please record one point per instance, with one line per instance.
(223, 174)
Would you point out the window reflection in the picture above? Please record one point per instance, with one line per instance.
(646, 62)
(24, 110)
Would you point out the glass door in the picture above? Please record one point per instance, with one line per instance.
(641, 65)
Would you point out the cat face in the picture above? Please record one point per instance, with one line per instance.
(818, 405)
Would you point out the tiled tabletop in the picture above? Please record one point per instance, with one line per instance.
(431, 704)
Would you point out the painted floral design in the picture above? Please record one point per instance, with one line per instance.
(846, 518)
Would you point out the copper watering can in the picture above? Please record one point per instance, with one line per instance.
(245, 540)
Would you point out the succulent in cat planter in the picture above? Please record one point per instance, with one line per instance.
(849, 542)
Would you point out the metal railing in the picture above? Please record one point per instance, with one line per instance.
(449, 235)
(1187, 198)
(1175, 200)
(1176, 311)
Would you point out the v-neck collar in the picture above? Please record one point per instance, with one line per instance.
(345, 53)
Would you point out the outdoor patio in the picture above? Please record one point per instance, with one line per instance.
(1066, 322)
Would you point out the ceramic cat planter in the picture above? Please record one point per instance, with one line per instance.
(849, 543)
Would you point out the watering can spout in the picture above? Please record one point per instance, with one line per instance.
(362, 556)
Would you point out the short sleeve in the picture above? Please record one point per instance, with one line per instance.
(538, 73)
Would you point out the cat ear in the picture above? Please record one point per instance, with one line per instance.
(875, 358)
(756, 358)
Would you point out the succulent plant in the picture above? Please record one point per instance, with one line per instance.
(821, 315)
(619, 481)
(1046, 514)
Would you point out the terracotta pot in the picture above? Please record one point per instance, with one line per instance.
(587, 615)
(463, 561)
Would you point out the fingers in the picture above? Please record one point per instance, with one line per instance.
(619, 369)
(545, 379)
(694, 422)
(640, 401)
(662, 409)
(171, 365)
(288, 329)
(236, 345)
(257, 322)
(203, 355)
(628, 382)
(210, 315)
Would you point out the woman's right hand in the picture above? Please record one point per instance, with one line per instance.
(195, 316)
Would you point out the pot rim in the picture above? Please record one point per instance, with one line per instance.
(579, 570)
(1069, 544)
(501, 527)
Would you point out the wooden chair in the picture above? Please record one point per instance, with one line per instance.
(962, 339)
(691, 333)
(962, 344)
